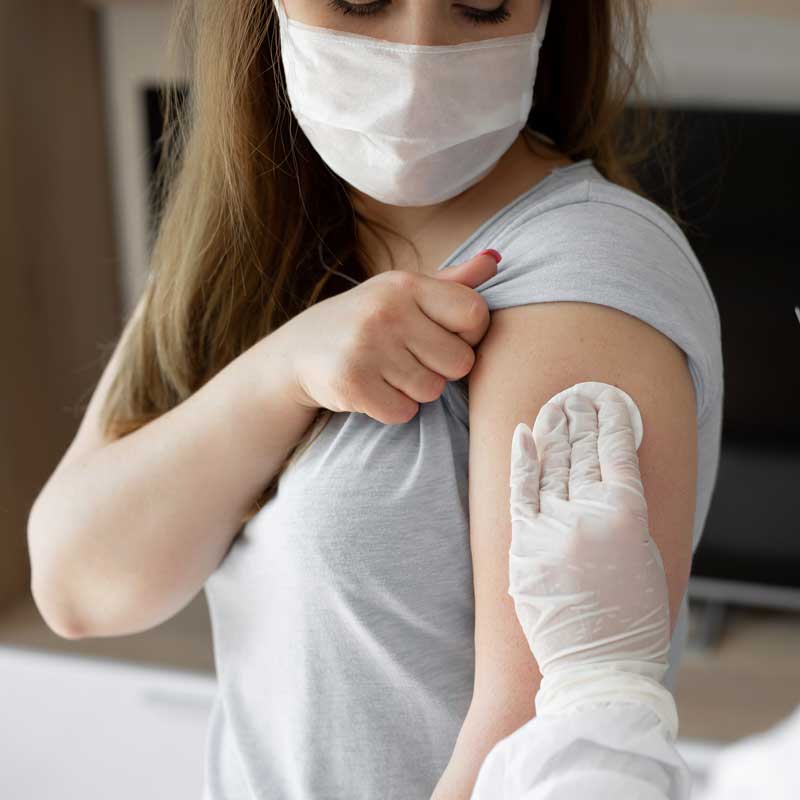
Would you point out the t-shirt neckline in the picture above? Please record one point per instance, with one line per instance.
(484, 226)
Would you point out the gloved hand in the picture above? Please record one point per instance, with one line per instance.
(587, 580)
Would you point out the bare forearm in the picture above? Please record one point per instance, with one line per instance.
(488, 720)
(124, 537)
(459, 777)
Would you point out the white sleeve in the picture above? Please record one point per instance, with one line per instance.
(603, 752)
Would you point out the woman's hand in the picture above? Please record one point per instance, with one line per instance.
(391, 342)
(587, 580)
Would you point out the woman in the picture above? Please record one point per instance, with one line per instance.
(363, 633)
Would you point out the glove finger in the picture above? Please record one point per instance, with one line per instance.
(616, 446)
(584, 468)
(524, 479)
(552, 443)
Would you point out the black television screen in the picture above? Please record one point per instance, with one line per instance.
(737, 173)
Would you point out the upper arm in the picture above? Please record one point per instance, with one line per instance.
(530, 353)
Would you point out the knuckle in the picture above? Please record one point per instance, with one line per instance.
(350, 381)
(381, 317)
(397, 413)
(478, 311)
(411, 412)
(435, 385)
(467, 361)
(401, 280)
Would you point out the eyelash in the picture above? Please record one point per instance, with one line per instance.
(495, 16)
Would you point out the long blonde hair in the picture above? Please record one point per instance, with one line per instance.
(252, 226)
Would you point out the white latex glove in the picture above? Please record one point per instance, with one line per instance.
(587, 580)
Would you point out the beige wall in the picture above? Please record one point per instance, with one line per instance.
(58, 283)
(787, 8)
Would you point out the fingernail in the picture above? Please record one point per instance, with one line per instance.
(493, 253)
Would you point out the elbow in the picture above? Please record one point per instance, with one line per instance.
(54, 613)
(51, 602)
(80, 596)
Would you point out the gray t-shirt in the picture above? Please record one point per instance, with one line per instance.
(343, 614)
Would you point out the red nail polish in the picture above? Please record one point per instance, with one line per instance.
(493, 253)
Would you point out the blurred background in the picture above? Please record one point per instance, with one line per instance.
(79, 118)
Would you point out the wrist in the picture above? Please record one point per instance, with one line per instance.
(278, 369)
(570, 689)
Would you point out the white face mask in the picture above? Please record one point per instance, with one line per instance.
(407, 124)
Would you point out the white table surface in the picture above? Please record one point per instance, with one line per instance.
(78, 728)
(74, 727)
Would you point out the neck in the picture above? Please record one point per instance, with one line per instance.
(517, 169)
(409, 220)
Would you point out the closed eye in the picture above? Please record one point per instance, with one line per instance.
(475, 15)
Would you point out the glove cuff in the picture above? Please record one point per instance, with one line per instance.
(573, 688)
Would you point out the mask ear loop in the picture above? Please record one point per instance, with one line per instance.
(541, 24)
(281, 12)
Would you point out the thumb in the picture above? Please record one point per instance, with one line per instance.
(524, 480)
(473, 272)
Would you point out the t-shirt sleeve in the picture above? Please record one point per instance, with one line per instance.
(623, 252)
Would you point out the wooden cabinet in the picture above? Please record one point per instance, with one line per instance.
(59, 299)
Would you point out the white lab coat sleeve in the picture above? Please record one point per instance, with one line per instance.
(602, 752)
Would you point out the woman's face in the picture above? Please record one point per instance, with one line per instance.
(427, 22)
